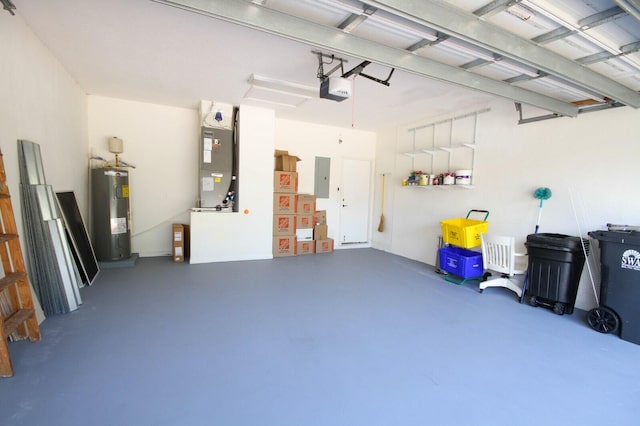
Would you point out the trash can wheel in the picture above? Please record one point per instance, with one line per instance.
(559, 308)
(533, 301)
(603, 320)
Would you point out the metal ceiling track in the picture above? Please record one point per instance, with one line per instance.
(8, 6)
(357, 70)
(468, 27)
(274, 22)
(592, 108)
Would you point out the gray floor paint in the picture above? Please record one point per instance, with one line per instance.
(358, 337)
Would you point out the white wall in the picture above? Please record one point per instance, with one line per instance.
(40, 102)
(162, 143)
(589, 162)
(308, 141)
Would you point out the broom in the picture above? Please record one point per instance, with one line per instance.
(381, 225)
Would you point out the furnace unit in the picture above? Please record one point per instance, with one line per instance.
(110, 208)
(218, 162)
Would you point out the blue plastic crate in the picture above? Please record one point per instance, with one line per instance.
(461, 262)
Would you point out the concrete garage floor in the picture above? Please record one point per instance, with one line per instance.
(357, 337)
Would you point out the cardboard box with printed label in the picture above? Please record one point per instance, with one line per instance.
(285, 181)
(284, 203)
(284, 245)
(324, 246)
(285, 162)
(305, 247)
(320, 232)
(284, 224)
(320, 217)
(306, 204)
(180, 246)
(304, 221)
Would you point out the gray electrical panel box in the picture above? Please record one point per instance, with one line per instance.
(218, 163)
(110, 208)
(322, 177)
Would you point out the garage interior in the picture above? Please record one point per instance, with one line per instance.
(538, 93)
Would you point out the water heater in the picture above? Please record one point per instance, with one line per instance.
(110, 208)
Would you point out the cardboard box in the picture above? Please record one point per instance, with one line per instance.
(320, 217)
(285, 181)
(304, 234)
(324, 246)
(306, 247)
(180, 247)
(285, 162)
(304, 221)
(321, 232)
(284, 203)
(306, 204)
(284, 224)
(284, 245)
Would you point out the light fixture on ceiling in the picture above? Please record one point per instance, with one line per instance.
(278, 92)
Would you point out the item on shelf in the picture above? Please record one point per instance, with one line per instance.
(448, 179)
(463, 177)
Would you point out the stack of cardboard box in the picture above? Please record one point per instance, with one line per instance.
(323, 244)
(285, 187)
(297, 227)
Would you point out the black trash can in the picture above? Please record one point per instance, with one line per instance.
(619, 308)
(553, 273)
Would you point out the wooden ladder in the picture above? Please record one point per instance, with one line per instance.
(17, 314)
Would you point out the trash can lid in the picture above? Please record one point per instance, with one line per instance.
(559, 241)
(620, 237)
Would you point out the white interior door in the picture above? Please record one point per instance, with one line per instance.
(354, 201)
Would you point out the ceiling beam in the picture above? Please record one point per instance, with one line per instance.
(468, 27)
(494, 7)
(627, 49)
(587, 23)
(427, 43)
(601, 18)
(632, 7)
(294, 28)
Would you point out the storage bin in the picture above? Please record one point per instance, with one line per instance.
(461, 262)
(464, 232)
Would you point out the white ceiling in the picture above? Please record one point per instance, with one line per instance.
(146, 51)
